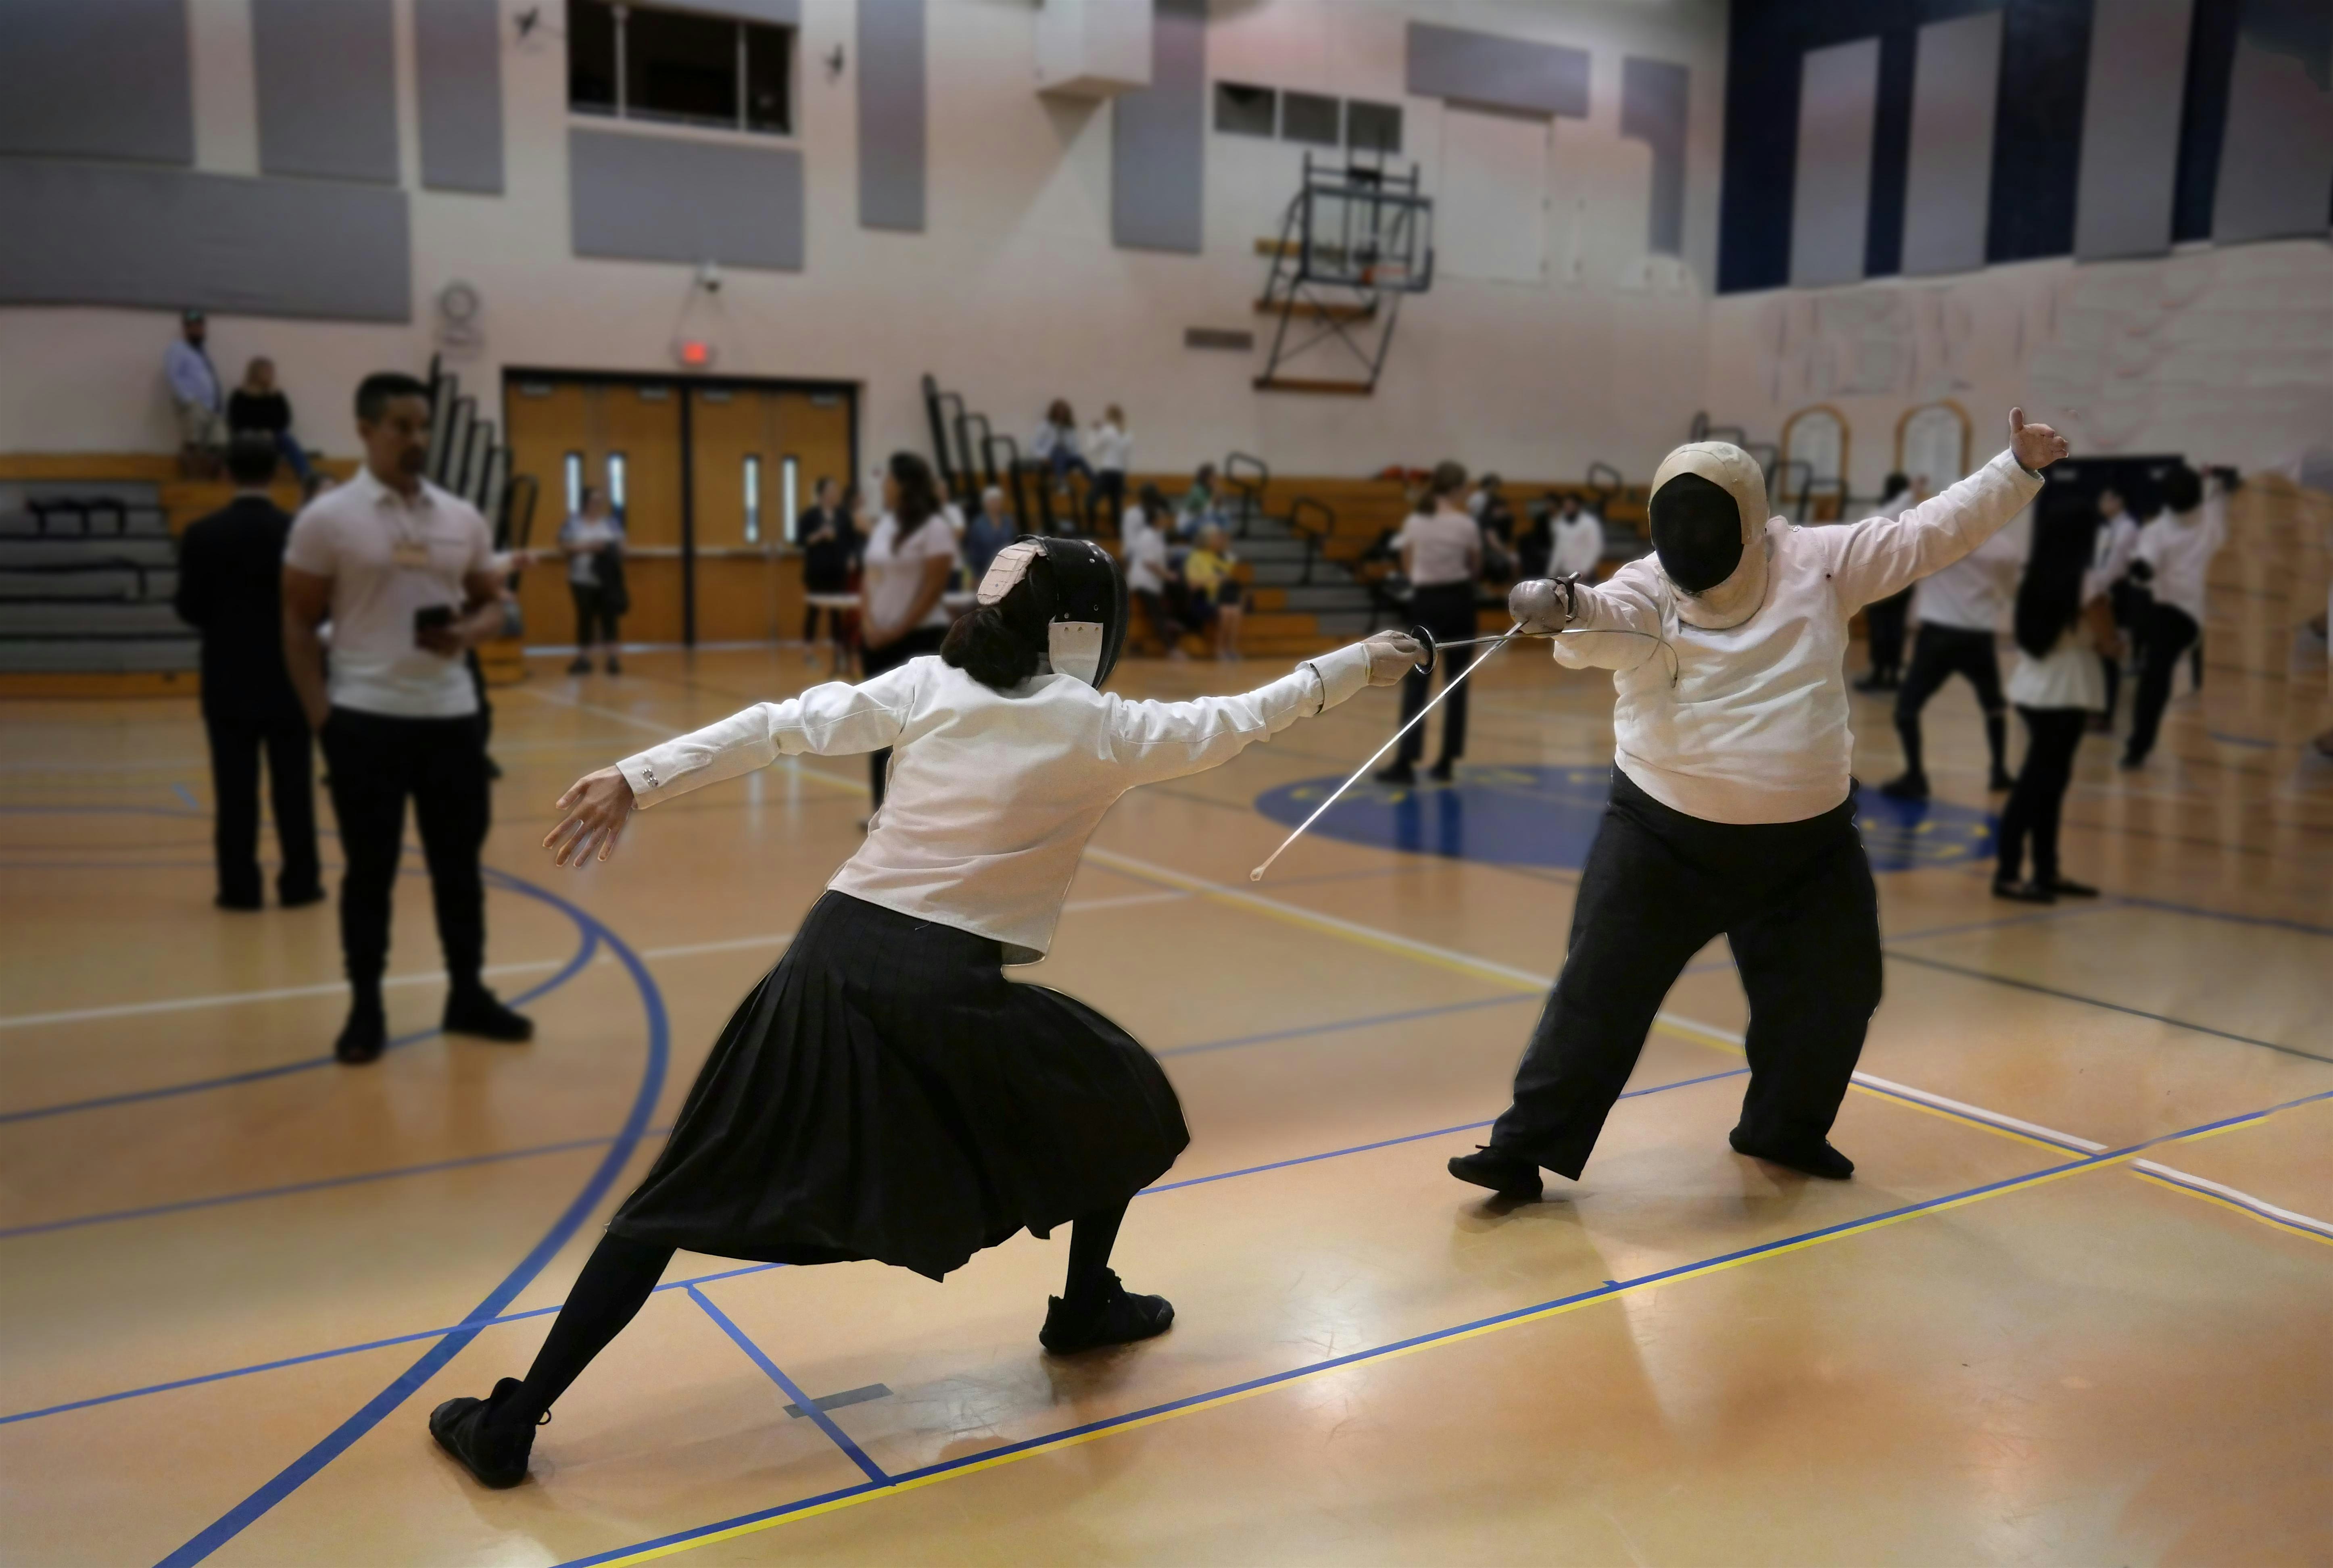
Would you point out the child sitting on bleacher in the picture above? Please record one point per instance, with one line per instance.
(1216, 593)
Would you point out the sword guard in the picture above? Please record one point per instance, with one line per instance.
(1425, 639)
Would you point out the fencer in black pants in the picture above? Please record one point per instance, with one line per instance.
(1883, 631)
(2052, 736)
(1795, 902)
(1447, 610)
(1938, 654)
(2169, 633)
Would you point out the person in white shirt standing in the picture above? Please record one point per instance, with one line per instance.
(1110, 450)
(886, 1094)
(2110, 558)
(1732, 808)
(593, 542)
(911, 552)
(1578, 542)
(194, 394)
(1441, 550)
(1142, 551)
(2171, 561)
(1960, 610)
(406, 574)
(2064, 626)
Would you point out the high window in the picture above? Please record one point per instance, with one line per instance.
(644, 63)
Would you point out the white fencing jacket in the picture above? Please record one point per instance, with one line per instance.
(2179, 546)
(1754, 727)
(993, 794)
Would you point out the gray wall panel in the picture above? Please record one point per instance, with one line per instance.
(2130, 128)
(785, 13)
(326, 80)
(458, 57)
(2276, 159)
(92, 79)
(1948, 177)
(1159, 139)
(662, 199)
(94, 234)
(1498, 72)
(1654, 95)
(891, 114)
(1830, 199)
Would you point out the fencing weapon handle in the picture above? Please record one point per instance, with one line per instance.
(1448, 686)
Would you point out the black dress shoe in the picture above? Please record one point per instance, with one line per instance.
(238, 901)
(300, 897)
(2002, 782)
(476, 1011)
(493, 1458)
(1817, 1159)
(363, 1037)
(1400, 773)
(1440, 772)
(1508, 1175)
(2021, 892)
(2066, 888)
(1906, 787)
(1115, 1315)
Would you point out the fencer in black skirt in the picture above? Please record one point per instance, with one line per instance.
(885, 1093)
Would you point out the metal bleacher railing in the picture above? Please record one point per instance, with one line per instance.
(466, 458)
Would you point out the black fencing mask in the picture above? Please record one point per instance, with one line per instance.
(1074, 591)
(1697, 531)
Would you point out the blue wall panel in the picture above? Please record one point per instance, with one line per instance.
(457, 56)
(1159, 139)
(89, 80)
(892, 133)
(1655, 100)
(1495, 71)
(327, 78)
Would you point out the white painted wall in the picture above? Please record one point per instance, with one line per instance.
(2225, 355)
(1015, 294)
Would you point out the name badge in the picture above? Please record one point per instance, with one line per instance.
(410, 555)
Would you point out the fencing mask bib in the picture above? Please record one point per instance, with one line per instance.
(1072, 588)
(1709, 532)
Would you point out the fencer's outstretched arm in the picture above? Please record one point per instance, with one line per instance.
(1158, 740)
(1626, 607)
(1885, 555)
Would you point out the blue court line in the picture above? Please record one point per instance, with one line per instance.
(1362, 1023)
(2023, 985)
(1609, 1288)
(357, 1178)
(235, 1520)
(2244, 740)
(2274, 922)
(188, 796)
(697, 1279)
(1962, 929)
(841, 1440)
(583, 953)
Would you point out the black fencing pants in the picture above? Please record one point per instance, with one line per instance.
(2169, 632)
(2052, 736)
(1938, 654)
(890, 657)
(1797, 903)
(235, 748)
(377, 762)
(1882, 625)
(1447, 610)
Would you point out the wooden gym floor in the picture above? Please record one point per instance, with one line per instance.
(2074, 1307)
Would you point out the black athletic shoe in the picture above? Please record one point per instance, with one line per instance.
(2022, 891)
(493, 1459)
(477, 1012)
(1817, 1159)
(580, 666)
(1440, 772)
(1906, 787)
(1399, 773)
(363, 1037)
(2002, 782)
(2066, 888)
(1875, 682)
(1115, 1316)
(1508, 1175)
(615, 665)
(2132, 762)
(300, 897)
(494, 769)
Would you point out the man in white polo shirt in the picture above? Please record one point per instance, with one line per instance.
(404, 571)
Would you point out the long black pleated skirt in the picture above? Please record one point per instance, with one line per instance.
(886, 1093)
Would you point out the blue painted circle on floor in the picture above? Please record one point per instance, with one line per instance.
(1540, 815)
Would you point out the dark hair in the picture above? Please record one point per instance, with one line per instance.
(375, 392)
(251, 458)
(1449, 479)
(584, 497)
(1492, 482)
(919, 499)
(1058, 412)
(1206, 472)
(1152, 500)
(1896, 482)
(2182, 489)
(2050, 596)
(998, 645)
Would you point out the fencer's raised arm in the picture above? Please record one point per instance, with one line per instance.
(1159, 741)
(834, 719)
(1883, 556)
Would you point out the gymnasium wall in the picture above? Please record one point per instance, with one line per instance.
(949, 219)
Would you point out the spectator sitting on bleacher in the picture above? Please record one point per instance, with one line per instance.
(259, 406)
(1055, 445)
(1216, 593)
(1579, 541)
(1149, 576)
(1200, 504)
(988, 533)
(231, 589)
(195, 389)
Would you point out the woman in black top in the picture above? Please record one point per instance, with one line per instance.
(259, 405)
(830, 544)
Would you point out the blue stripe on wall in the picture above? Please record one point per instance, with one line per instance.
(2037, 138)
(1891, 153)
(2211, 65)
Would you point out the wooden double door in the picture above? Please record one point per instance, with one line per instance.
(708, 477)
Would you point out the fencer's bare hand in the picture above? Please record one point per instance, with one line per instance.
(1539, 604)
(2037, 446)
(1391, 656)
(596, 807)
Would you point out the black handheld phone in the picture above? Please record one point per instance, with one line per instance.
(431, 617)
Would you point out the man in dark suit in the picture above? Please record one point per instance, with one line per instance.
(230, 589)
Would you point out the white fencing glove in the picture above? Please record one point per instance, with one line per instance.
(1391, 656)
(1543, 603)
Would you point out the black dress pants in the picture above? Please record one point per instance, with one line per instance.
(377, 762)
(2052, 736)
(235, 747)
(1938, 654)
(1447, 610)
(594, 620)
(873, 662)
(1796, 902)
(1882, 625)
(2169, 632)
